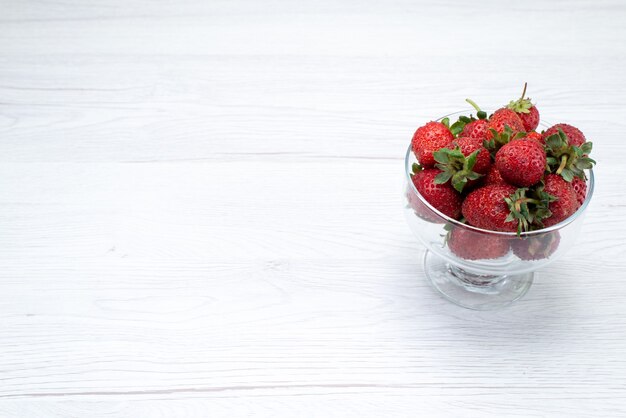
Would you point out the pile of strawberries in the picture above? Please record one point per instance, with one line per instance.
(498, 173)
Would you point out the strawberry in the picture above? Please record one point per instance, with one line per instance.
(573, 134)
(535, 136)
(503, 127)
(473, 245)
(486, 208)
(430, 138)
(569, 161)
(468, 145)
(530, 119)
(493, 177)
(502, 207)
(476, 129)
(420, 208)
(441, 196)
(464, 162)
(536, 247)
(526, 111)
(500, 119)
(580, 188)
(470, 126)
(565, 203)
(521, 162)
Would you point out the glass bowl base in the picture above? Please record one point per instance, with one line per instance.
(474, 291)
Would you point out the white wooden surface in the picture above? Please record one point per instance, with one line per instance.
(200, 210)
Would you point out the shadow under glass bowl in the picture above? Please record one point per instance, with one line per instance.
(482, 269)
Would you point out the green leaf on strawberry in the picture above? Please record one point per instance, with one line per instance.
(569, 161)
(521, 105)
(455, 167)
(457, 127)
(529, 206)
(518, 207)
(498, 140)
(443, 177)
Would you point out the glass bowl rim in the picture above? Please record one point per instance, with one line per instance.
(555, 227)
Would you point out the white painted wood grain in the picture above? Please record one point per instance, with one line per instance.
(201, 211)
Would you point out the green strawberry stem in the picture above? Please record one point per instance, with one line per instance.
(480, 113)
(562, 165)
(521, 105)
(566, 160)
(524, 91)
(519, 202)
(528, 211)
(473, 103)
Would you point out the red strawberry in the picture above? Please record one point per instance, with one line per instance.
(430, 138)
(580, 188)
(530, 119)
(493, 177)
(567, 160)
(486, 208)
(565, 204)
(441, 196)
(469, 145)
(473, 245)
(463, 162)
(470, 126)
(536, 247)
(420, 208)
(526, 111)
(574, 135)
(504, 117)
(521, 162)
(476, 129)
(535, 136)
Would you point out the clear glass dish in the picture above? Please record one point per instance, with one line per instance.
(453, 263)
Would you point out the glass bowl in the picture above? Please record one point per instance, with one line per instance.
(482, 269)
